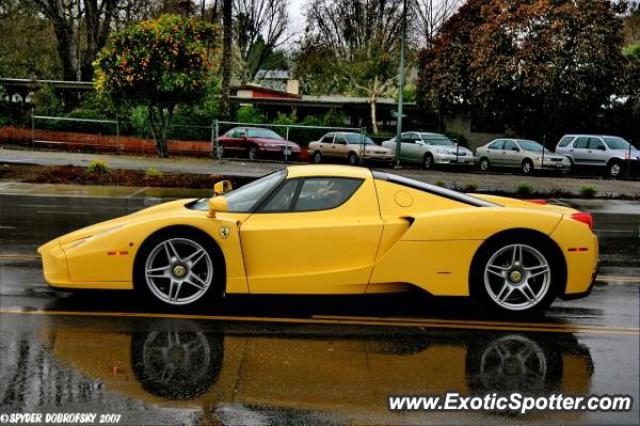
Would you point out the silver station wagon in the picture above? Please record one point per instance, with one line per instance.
(527, 155)
(611, 152)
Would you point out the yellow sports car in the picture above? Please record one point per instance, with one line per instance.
(336, 230)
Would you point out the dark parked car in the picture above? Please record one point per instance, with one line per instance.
(255, 142)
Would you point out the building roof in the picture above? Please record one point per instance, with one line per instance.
(272, 75)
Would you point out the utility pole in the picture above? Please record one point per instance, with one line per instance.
(401, 83)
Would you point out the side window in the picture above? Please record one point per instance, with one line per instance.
(328, 138)
(282, 200)
(596, 143)
(324, 193)
(565, 141)
(510, 146)
(409, 138)
(340, 139)
(497, 144)
(581, 143)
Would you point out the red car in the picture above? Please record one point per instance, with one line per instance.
(255, 142)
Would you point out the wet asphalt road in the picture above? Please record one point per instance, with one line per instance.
(278, 360)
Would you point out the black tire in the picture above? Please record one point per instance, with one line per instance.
(317, 157)
(526, 167)
(190, 376)
(220, 151)
(485, 164)
(142, 285)
(615, 169)
(555, 281)
(428, 161)
(252, 153)
(353, 159)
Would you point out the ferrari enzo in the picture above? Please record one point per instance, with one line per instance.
(336, 230)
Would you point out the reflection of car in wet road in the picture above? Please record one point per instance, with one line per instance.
(185, 363)
(287, 233)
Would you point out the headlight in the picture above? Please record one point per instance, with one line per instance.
(538, 158)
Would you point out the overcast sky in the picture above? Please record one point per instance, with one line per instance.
(296, 13)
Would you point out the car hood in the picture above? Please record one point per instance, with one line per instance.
(102, 228)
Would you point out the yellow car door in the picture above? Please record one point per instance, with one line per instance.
(313, 235)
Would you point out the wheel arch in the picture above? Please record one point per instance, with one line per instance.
(557, 257)
(219, 259)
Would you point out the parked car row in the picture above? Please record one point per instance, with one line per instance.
(611, 153)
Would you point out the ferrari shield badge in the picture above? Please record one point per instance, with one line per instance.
(225, 232)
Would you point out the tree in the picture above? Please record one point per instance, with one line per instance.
(227, 46)
(354, 46)
(429, 16)
(67, 18)
(529, 66)
(260, 29)
(157, 64)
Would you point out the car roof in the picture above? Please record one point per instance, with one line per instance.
(573, 135)
(328, 170)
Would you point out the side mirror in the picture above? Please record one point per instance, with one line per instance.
(515, 149)
(602, 148)
(222, 187)
(217, 204)
(419, 142)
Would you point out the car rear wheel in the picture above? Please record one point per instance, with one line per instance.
(253, 153)
(516, 277)
(484, 164)
(614, 169)
(428, 161)
(176, 269)
(527, 167)
(220, 151)
(353, 158)
(317, 157)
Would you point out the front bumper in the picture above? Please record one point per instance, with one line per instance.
(552, 165)
(465, 160)
(378, 157)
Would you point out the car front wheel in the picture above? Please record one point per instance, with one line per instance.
(428, 162)
(353, 158)
(527, 167)
(484, 164)
(515, 277)
(253, 153)
(614, 169)
(175, 269)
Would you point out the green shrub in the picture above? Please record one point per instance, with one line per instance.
(524, 188)
(588, 191)
(471, 187)
(441, 183)
(153, 173)
(249, 114)
(98, 166)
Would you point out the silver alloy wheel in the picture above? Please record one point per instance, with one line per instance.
(615, 169)
(484, 164)
(253, 153)
(514, 362)
(526, 167)
(517, 277)
(353, 159)
(178, 271)
(220, 151)
(317, 157)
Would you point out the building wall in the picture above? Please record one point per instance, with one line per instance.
(462, 124)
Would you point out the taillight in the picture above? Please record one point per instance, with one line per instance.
(538, 201)
(585, 218)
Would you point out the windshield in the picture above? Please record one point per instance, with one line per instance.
(263, 133)
(440, 140)
(616, 143)
(530, 146)
(244, 199)
(358, 139)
